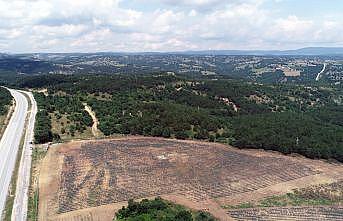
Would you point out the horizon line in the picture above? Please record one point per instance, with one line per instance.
(179, 51)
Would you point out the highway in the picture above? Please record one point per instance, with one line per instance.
(9, 145)
(20, 205)
(321, 72)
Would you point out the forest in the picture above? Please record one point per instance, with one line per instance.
(289, 133)
(159, 210)
(287, 118)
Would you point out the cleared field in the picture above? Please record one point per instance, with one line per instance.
(82, 178)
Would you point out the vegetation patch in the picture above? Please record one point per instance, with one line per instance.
(159, 210)
(5, 103)
(325, 194)
(60, 117)
(37, 155)
(289, 133)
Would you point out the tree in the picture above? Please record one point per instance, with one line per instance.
(203, 216)
(157, 131)
(166, 133)
(182, 135)
(183, 216)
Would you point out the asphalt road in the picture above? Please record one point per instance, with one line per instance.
(321, 72)
(20, 205)
(9, 145)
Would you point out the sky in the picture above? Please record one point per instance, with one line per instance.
(168, 25)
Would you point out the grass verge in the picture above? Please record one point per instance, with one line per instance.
(289, 199)
(32, 213)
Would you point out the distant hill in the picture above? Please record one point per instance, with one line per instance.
(310, 51)
(315, 51)
(297, 52)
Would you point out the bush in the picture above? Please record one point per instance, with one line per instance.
(203, 216)
(158, 210)
(182, 135)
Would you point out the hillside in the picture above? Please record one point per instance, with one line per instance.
(289, 119)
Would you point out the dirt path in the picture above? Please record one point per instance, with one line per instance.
(95, 131)
(321, 72)
(228, 102)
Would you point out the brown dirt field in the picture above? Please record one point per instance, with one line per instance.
(90, 180)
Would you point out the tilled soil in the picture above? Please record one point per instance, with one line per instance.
(200, 175)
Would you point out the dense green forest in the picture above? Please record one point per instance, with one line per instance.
(289, 133)
(5, 100)
(284, 117)
(159, 210)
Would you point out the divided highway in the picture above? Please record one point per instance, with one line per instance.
(20, 205)
(9, 145)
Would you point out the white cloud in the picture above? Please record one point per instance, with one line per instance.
(193, 13)
(10, 33)
(208, 3)
(194, 3)
(292, 29)
(66, 30)
(156, 25)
